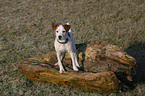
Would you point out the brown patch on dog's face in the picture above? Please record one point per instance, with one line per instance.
(54, 27)
(66, 27)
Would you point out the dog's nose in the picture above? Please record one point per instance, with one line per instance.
(59, 37)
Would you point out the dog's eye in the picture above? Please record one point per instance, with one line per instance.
(63, 31)
(56, 31)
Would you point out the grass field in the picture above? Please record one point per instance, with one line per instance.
(25, 31)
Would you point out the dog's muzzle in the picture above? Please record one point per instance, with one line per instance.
(63, 42)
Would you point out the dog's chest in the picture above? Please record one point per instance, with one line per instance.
(63, 47)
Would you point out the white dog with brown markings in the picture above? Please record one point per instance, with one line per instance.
(65, 42)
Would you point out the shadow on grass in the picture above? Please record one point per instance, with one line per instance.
(138, 52)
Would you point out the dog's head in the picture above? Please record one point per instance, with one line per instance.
(61, 31)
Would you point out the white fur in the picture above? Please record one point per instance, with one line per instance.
(68, 47)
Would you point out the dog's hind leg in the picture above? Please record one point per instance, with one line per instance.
(76, 61)
(73, 61)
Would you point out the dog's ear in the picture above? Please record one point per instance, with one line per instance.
(54, 27)
(66, 27)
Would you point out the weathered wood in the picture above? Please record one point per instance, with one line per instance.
(105, 82)
(101, 65)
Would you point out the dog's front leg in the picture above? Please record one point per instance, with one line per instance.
(62, 57)
(59, 62)
(73, 61)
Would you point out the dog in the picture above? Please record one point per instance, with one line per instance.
(65, 42)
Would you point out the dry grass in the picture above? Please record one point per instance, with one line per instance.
(25, 31)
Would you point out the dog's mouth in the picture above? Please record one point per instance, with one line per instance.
(62, 41)
(60, 38)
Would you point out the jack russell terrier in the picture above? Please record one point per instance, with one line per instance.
(65, 42)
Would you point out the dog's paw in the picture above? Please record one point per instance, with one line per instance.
(61, 71)
(75, 68)
(56, 63)
(78, 65)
